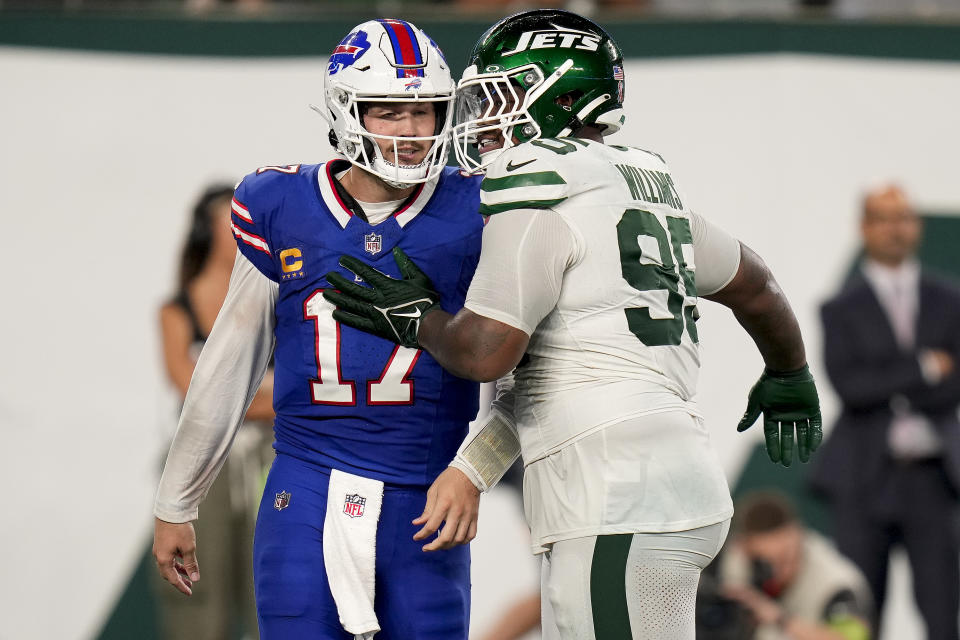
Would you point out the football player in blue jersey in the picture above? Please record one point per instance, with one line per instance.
(363, 426)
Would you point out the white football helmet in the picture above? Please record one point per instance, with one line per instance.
(387, 60)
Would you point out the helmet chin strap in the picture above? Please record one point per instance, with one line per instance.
(378, 163)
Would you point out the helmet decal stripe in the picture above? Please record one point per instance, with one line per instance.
(406, 48)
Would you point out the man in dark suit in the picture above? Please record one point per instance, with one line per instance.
(891, 466)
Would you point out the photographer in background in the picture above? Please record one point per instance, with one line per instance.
(794, 582)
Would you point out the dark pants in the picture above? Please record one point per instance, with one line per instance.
(915, 506)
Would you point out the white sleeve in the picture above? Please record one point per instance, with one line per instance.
(227, 376)
(716, 254)
(492, 447)
(525, 253)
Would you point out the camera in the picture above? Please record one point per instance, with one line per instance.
(718, 617)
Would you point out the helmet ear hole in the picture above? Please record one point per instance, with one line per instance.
(568, 99)
(332, 137)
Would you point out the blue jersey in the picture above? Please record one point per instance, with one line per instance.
(343, 398)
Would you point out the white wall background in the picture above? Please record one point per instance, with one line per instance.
(101, 156)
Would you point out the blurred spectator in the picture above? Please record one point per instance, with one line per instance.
(522, 616)
(891, 467)
(791, 580)
(224, 600)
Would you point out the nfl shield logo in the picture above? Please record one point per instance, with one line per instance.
(372, 243)
(281, 501)
(353, 505)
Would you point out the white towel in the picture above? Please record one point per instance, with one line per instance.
(349, 549)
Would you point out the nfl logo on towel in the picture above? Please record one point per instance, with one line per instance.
(281, 501)
(353, 505)
(372, 243)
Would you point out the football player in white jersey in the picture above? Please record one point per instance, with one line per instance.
(591, 270)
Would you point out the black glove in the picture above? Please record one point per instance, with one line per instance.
(788, 402)
(389, 308)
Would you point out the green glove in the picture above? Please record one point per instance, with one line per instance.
(389, 308)
(789, 403)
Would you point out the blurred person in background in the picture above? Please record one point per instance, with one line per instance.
(362, 426)
(791, 580)
(891, 466)
(522, 615)
(517, 620)
(226, 601)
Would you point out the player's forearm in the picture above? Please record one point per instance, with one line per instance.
(228, 373)
(212, 413)
(774, 328)
(471, 346)
(763, 310)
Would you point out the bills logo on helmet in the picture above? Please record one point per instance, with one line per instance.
(413, 84)
(561, 37)
(348, 51)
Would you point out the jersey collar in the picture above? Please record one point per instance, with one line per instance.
(343, 206)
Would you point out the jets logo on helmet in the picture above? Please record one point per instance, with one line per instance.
(398, 64)
(348, 51)
(556, 37)
(539, 74)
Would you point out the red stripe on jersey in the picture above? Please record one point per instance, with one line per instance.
(412, 200)
(242, 212)
(251, 239)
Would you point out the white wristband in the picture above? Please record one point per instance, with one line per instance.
(488, 452)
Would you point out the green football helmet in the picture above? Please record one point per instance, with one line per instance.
(518, 71)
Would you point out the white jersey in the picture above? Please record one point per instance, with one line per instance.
(609, 301)
(622, 331)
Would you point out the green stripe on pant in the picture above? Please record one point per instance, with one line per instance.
(608, 591)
